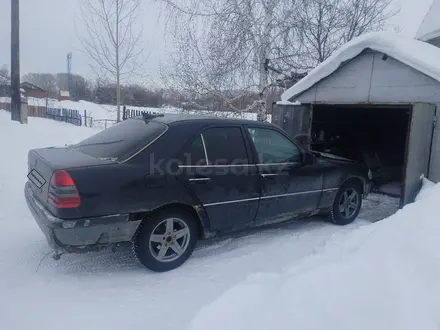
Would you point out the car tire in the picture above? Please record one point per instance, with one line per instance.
(347, 204)
(166, 239)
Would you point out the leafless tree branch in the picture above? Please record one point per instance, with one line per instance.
(110, 40)
(223, 45)
(5, 77)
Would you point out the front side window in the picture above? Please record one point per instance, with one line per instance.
(273, 148)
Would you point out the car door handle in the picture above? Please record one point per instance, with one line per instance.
(199, 180)
(269, 175)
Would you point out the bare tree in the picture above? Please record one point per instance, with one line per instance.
(222, 48)
(111, 41)
(45, 81)
(224, 45)
(5, 77)
(322, 26)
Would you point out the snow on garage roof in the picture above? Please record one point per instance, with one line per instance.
(414, 53)
(430, 27)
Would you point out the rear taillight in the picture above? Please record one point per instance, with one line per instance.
(62, 191)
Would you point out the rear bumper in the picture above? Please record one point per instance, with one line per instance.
(80, 235)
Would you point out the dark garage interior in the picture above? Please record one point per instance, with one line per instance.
(374, 135)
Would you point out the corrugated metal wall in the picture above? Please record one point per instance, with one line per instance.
(373, 78)
(294, 119)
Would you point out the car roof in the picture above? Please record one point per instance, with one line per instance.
(170, 119)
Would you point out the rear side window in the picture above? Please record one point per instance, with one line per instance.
(194, 153)
(225, 146)
(122, 140)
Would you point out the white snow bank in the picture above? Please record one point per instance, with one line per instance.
(383, 276)
(428, 188)
(430, 27)
(417, 54)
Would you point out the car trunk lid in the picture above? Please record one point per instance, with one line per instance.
(42, 163)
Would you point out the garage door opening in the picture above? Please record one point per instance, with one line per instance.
(374, 135)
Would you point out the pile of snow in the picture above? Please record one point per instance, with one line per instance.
(382, 276)
(414, 53)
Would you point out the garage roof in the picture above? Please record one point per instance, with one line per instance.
(430, 27)
(414, 53)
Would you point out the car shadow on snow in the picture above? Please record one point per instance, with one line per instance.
(123, 260)
(209, 251)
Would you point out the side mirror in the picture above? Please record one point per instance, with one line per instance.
(308, 158)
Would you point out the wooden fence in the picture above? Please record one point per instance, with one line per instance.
(33, 111)
(65, 115)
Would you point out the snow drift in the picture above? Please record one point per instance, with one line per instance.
(381, 276)
(414, 53)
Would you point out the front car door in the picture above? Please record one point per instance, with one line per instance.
(217, 170)
(289, 189)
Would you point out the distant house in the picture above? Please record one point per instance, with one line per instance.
(29, 89)
(64, 95)
(34, 91)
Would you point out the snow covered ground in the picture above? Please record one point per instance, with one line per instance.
(303, 275)
(381, 276)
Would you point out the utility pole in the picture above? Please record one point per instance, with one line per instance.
(15, 62)
(69, 74)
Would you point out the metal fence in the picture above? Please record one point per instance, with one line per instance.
(66, 115)
(129, 113)
(102, 123)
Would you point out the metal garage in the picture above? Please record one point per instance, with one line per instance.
(374, 101)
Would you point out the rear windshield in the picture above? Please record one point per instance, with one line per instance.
(122, 140)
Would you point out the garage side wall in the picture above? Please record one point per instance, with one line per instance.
(435, 41)
(434, 166)
(294, 119)
(372, 77)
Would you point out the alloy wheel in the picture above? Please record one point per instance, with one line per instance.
(348, 203)
(169, 240)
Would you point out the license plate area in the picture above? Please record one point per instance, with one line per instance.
(36, 178)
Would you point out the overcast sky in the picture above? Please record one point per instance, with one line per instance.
(48, 33)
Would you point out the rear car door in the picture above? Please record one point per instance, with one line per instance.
(289, 188)
(215, 167)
